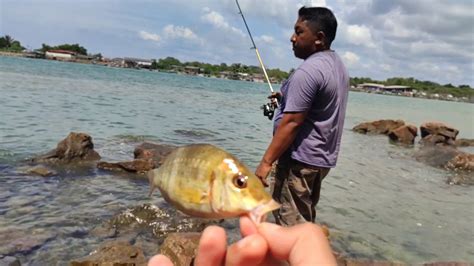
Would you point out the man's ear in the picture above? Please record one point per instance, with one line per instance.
(320, 37)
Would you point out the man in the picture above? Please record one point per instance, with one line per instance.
(309, 123)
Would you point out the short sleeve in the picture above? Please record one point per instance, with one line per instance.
(302, 89)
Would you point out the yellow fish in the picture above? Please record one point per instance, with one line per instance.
(205, 181)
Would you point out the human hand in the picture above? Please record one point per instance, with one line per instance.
(262, 171)
(275, 96)
(267, 244)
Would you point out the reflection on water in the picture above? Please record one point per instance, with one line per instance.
(379, 202)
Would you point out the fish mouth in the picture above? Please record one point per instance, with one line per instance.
(258, 214)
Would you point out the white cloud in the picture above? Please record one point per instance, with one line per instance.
(360, 35)
(179, 32)
(350, 59)
(149, 36)
(218, 21)
(266, 39)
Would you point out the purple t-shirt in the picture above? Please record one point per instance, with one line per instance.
(320, 85)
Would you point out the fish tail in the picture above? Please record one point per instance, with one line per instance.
(150, 180)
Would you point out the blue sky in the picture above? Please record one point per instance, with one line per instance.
(426, 39)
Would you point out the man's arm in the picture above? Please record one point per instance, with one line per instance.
(281, 141)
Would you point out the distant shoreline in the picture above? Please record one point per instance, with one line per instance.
(107, 64)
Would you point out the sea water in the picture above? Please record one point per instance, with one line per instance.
(379, 202)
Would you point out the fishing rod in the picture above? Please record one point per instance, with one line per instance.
(269, 108)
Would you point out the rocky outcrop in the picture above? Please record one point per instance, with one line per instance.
(435, 133)
(405, 134)
(159, 221)
(464, 142)
(147, 156)
(378, 127)
(461, 162)
(181, 248)
(113, 253)
(76, 147)
(136, 166)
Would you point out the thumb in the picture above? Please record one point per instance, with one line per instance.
(303, 244)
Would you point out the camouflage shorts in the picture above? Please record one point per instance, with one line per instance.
(297, 187)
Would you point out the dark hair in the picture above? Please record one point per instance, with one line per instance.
(320, 19)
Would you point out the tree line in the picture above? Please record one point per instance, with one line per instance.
(169, 63)
(7, 43)
(424, 86)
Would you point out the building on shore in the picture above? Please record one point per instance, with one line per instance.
(60, 55)
(380, 88)
(136, 63)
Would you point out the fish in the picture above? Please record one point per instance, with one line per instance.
(202, 180)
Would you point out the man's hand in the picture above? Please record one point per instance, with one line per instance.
(263, 169)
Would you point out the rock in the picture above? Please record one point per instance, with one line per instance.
(447, 263)
(405, 134)
(41, 171)
(9, 261)
(159, 221)
(181, 248)
(378, 127)
(147, 156)
(464, 142)
(438, 133)
(363, 262)
(437, 156)
(461, 162)
(14, 241)
(75, 147)
(113, 253)
(154, 151)
(135, 166)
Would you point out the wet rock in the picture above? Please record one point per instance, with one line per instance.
(181, 248)
(437, 156)
(461, 162)
(158, 221)
(113, 253)
(405, 134)
(154, 151)
(438, 133)
(9, 261)
(147, 156)
(363, 262)
(464, 142)
(41, 171)
(135, 166)
(447, 263)
(378, 127)
(76, 147)
(14, 241)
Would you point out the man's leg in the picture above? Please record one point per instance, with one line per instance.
(304, 185)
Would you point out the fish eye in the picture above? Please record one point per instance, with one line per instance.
(240, 181)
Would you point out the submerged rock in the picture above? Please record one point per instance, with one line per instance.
(13, 241)
(147, 156)
(41, 171)
(181, 248)
(76, 147)
(378, 127)
(158, 221)
(9, 261)
(464, 142)
(113, 253)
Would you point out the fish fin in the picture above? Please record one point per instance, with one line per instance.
(150, 180)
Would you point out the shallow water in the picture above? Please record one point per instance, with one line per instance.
(378, 202)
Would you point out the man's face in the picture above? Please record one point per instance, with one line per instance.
(303, 40)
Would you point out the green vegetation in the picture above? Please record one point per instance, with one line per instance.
(422, 86)
(171, 63)
(8, 44)
(68, 47)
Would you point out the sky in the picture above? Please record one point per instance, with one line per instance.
(425, 39)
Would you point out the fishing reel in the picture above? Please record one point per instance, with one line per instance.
(269, 109)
